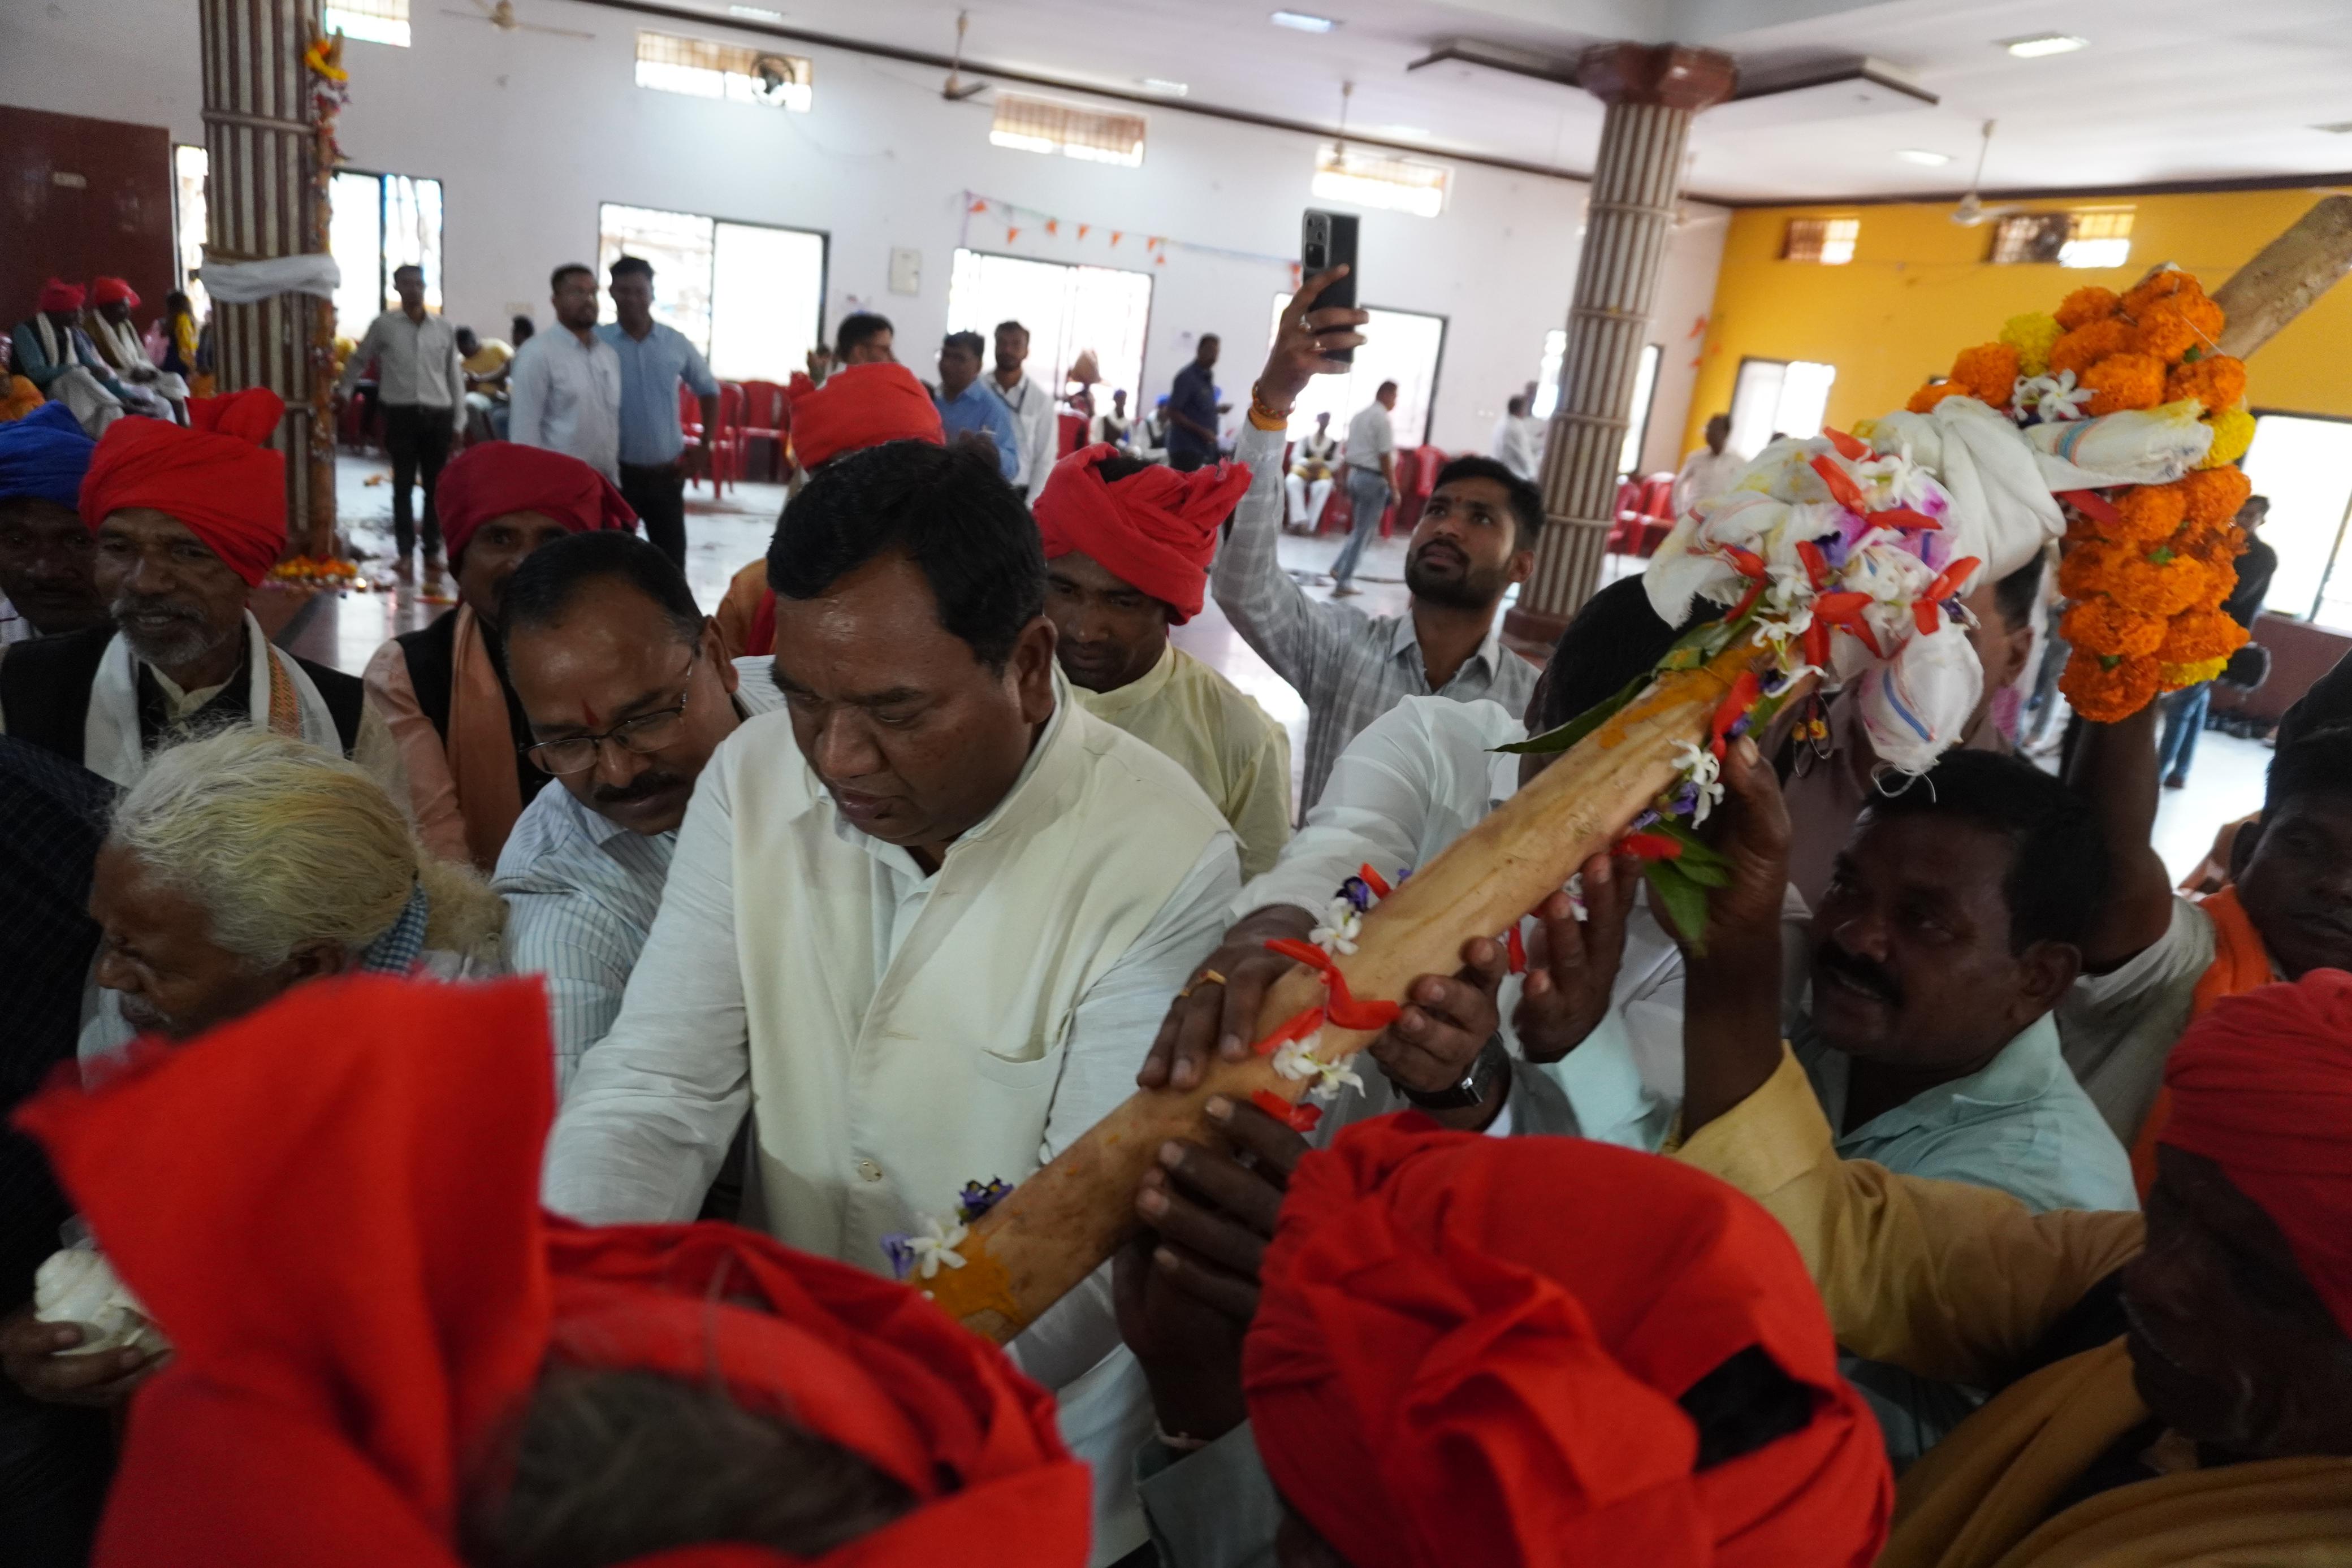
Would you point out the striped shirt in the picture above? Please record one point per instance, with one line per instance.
(1348, 666)
(581, 893)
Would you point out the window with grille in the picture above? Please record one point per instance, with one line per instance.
(2098, 238)
(700, 67)
(377, 21)
(1828, 242)
(749, 295)
(1368, 179)
(1042, 125)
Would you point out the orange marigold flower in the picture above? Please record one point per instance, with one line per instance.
(2215, 494)
(2217, 383)
(2200, 635)
(1925, 400)
(2087, 304)
(2147, 513)
(2086, 569)
(2170, 328)
(2217, 545)
(2086, 345)
(2105, 691)
(2124, 381)
(2103, 626)
(1988, 371)
(2163, 588)
(2162, 284)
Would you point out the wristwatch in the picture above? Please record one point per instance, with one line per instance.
(1488, 1072)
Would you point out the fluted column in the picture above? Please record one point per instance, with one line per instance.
(265, 197)
(1653, 92)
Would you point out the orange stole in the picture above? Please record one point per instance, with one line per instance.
(2240, 963)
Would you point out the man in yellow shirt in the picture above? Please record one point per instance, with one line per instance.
(2175, 1389)
(1127, 545)
(485, 361)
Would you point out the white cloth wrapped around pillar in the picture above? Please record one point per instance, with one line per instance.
(251, 282)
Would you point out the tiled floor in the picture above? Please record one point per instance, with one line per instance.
(2226, 782)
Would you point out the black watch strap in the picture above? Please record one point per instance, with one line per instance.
(1477, 1085)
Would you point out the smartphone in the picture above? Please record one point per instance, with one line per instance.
(1329, 240)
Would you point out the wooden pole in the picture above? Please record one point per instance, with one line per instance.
(2292, 271)
(1056, 1228)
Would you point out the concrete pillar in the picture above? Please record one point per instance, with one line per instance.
(1653, 92)
(266, 196)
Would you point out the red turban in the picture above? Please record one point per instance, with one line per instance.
(2262, 1085)
(56, 294)
(1157, 529)
(495, 477)
(1469, 1350)
(214, 475)
(331, 1207)
(108, 290)
(861, 406)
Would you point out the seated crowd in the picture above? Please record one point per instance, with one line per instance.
(1959, 1195)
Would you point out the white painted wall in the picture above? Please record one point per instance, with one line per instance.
(529, 133)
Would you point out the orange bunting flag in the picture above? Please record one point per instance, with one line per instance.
(1116, 236)
(1152, 243)
(1053, 226)
(979, 204)
(1083, 228)
(1160, 260)
(1011, 234)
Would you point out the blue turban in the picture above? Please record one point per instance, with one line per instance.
(44, 454)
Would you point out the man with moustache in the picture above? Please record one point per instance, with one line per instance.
(1474, 540)
(918, 925)
(629, 690)
(187, 520)
(444, 690)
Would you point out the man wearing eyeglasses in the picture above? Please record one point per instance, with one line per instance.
(627, 691)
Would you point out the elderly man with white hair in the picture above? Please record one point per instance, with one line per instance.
(238, 867)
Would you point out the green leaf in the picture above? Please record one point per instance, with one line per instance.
(1683, 899)
(1583, 724)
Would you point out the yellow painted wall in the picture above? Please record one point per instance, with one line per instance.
(1919, 290)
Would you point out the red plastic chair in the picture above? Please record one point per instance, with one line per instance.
(727, 442)
(767, 416)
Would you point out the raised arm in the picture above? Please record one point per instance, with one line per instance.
(1273, 613)
(2115, 770)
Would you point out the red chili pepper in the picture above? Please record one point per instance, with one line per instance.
(1652, 846)
(1817, 565)
(1842, 488)
(1906, 517)
(1755, 591)
(1515, 949)
(1869, 638)
(1749, 563)
(1307, 953)
(1817, 643)
(1374, 880)
(1346, 1011)
(1298, 1026)
(1736, 703)
(2091, 504)
(1947, 581)
(1847, 445)
(1927, 617)
(1297, 1118)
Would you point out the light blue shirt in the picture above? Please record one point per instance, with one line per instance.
(977, 408)
(651, 369)
(582, 892)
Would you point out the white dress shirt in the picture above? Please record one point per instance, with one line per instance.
(416, 363)
(1034, 420)
(565, 395)
(1705, 476)
(1370, 438)
(1519, 443)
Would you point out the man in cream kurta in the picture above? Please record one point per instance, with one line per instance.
(896, 1030)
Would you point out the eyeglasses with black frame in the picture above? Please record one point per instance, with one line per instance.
(645, 735)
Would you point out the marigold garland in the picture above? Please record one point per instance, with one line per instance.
(2146, 567)
(2085, 306)
(2124, 381)
(2106, 690)
(2032, 336)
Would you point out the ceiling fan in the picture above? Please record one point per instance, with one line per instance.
(501, 16)
(958, 89)
(1972, 210)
